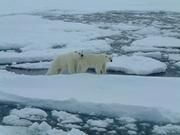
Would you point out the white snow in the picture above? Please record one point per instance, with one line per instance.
(174, 57)
(119, 97)
(130, 132)
(71, 126)
(166, 130)
(30, 113)
(155, 55)
(148, 31)
(99, 123)
(136, 65)
(36, 38)
(98, 129)
(131, 126)
(149, 49)
(15, 121)
(65, 117)
(76, 132)
(158, 41)
(44, 128)
(13, 130)
(126, 120)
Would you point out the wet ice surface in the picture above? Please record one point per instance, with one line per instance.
(89, 124)
(127, 28)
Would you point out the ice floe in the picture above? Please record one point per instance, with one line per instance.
(137, 65)
(64, 117)
(30, 113)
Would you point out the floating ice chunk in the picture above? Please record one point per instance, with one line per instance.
(56, 132)
(30, 113)
(174, 57)
(136, 65)
(44, 129)
(99, 129)
(131, 126)
(126, 120)
(156, 55)
(112, 132)
(158, 41)
(70, 126)
(76, 132)
(131, 132)
(100, 123)
(38, 129)
(166, 130)
(15, 121)
(149, 31)
(13, 130)
(65, 117)
(149, 49)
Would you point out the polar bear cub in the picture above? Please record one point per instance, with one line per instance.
(96, 61)
(66, 62)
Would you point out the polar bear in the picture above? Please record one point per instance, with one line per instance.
(66, 62)
(96, 61)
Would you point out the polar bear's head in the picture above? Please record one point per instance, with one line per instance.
(80, 53)
(108, 58)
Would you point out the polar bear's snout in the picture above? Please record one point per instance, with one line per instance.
(109, 58)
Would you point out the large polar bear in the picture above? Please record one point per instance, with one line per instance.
(66, 62)
(96, 61)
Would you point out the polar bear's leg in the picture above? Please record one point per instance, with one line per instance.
(98, 69)
(82, 67)
(104, 69)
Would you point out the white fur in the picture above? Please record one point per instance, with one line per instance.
(96, 61)
(66, 62)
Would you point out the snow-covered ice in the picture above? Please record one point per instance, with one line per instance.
(44, 128)
(155, 55)
(28, 35)
(166, 130)
(149, 49)
(118, 100)
(99, 123)
(174, 57)
(131, 126)
(157, 41)
(126, 120)
(99, 129)
(139, 65)
(30, 113)
(148, 31)
(64, 117)
(13, 130)
(37, 44)
(131, 132)
(16, 121)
